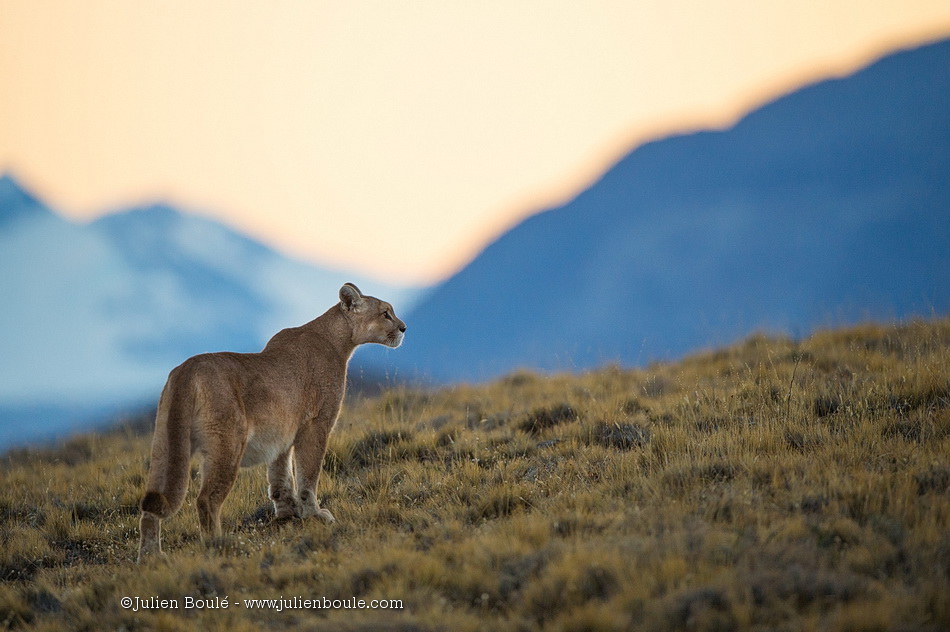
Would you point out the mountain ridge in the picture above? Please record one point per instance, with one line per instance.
(826, 206)
(16, 202)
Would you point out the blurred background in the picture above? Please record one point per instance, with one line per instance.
(534, 185)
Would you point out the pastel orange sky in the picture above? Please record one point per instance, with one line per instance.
(393, 138)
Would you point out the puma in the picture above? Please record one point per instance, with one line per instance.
(241, 409)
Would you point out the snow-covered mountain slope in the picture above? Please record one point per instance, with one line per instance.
(95, 315)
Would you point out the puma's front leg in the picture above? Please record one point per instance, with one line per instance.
(309, 450)
(281, 488)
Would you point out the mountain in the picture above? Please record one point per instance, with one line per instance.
(17, 204)
(827, 206)
(96, 315)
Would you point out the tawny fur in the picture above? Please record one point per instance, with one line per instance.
(241, 409)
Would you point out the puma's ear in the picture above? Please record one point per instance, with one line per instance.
(350, 297)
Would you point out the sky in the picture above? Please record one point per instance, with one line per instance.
(394, 139)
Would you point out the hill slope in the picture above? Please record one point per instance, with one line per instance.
(769, 485)
(96, 315)
(829, 205)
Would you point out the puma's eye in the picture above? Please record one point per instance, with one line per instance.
(387, 316)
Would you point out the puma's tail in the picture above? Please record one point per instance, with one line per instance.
(171, 460)
(171, 449)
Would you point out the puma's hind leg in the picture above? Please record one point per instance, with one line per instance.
(218, 474)
(150, 536)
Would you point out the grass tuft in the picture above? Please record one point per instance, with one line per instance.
(622, 436)
(543, 418)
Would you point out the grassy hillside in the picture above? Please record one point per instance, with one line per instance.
(771, 485)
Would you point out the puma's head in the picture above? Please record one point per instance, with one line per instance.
(372, 320)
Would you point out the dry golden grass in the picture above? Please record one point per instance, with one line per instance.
(772, 485)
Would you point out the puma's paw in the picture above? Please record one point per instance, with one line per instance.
(286, 503)
(285, 512)
(319, 512)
